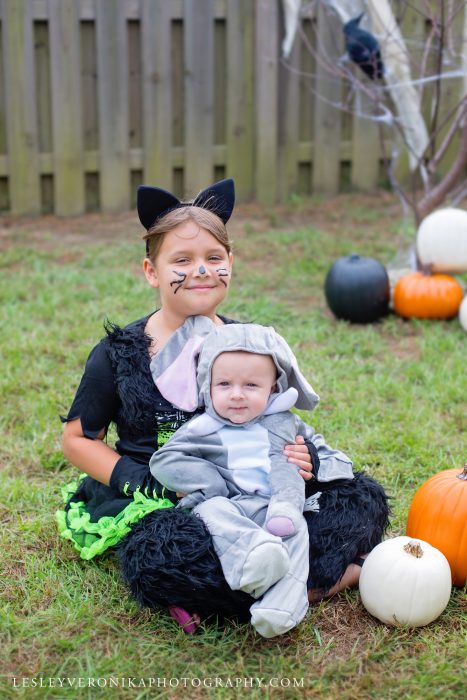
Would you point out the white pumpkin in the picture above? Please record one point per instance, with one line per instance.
(463, 314)
(405, 581)
(442, 240)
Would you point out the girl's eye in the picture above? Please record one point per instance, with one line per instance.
(215, 258)
(180, 261)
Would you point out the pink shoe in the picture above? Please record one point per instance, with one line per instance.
(184, 619)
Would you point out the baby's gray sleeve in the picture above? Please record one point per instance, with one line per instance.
(182, 467)
(333, 464)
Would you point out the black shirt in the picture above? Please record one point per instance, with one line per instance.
(117, 387)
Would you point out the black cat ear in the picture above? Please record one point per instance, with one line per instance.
(218, 198)
(152, 203)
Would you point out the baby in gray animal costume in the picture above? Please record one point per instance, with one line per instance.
(230, 463)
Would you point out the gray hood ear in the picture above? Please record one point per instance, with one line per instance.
(263, 340)
(290, 375)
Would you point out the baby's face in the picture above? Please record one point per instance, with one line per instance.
(241, 384)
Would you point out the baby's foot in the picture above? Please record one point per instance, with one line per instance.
(271, 623)
(263, 567)
(280, 526)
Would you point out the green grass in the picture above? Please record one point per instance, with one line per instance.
(393, 395)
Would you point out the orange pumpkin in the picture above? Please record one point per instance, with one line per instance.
(438, 515)
(417, 295)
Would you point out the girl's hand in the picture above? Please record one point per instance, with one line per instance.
(298, 454)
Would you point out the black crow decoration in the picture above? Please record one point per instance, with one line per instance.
(363, 49)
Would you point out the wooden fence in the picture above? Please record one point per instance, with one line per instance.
(97, 96)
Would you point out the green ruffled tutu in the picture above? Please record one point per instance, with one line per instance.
(93, 538)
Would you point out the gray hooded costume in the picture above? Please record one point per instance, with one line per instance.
(236, 476)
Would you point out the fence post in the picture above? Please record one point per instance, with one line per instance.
(112, 69)
(289, 123)
(327, 122)
(67, 124)
(199, 94)
(157, 92)
(20, 102)
(266, 79)
(240, 100)
(365, 145)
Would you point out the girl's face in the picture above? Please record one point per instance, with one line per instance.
(191, 271)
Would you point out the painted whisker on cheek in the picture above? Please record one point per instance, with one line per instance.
(178, 282)
(223, 272)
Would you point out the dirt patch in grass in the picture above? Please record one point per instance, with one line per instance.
(14, 569)
(51, 232)
(404, 348)
(345, 628)
(22, 664)
(69, 257)
(404, 345)
(346, 212)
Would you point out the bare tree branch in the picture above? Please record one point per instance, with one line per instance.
(454, 127)
(438, 194)
(439, 70)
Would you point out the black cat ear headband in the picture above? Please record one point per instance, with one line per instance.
(153, 202)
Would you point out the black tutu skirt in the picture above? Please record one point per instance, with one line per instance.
(168, 558)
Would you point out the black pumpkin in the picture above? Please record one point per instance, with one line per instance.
(357, 289)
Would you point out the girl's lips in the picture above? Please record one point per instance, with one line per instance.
(200, 286)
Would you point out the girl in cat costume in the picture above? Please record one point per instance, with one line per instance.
(166, 554)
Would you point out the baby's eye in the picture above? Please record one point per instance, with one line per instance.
(251, 384)
(223, 384)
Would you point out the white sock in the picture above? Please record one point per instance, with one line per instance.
(266, 564)
(271, 623)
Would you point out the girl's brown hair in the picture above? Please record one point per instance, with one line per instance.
(203, 217)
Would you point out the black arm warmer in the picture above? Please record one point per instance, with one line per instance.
(129, 475)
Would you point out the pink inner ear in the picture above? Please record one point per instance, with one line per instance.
(177, 383)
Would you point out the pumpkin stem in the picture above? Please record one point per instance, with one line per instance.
(414, 549)
(463, 474)
(426, 270)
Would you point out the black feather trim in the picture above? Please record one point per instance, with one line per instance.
(128, 350)
(168, 559)
(352, 518)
